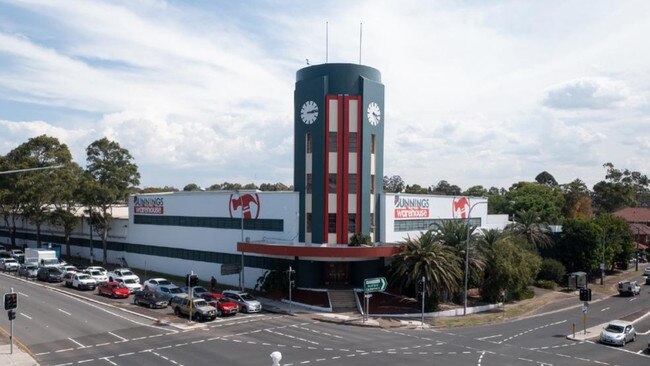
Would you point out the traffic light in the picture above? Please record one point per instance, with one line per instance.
(292, 277)
(585, 294)
(420, 286)
(192, 280)
(12, 314)
(11, 301)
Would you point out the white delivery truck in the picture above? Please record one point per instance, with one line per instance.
(41, 257)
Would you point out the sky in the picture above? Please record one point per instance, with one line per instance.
(477, 92)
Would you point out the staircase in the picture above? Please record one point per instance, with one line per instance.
(343, 300)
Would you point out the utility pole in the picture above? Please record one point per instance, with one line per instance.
(291, 282)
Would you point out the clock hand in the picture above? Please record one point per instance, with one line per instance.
(312, 111)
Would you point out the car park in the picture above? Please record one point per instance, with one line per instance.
(246, 302)
(83, 281)
(153, 283)
(224, 305)
(629, 288)
(28, 270)
(149, 299)
(49, 274)
(96, 274)
(198, 307)
(618, 333)
(9, 264)
(114, 290)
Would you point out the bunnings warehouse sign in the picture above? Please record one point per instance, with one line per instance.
(411, 207)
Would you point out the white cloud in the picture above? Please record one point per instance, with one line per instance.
(587, 93)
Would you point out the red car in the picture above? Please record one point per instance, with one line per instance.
(223, 304)
(113, 289)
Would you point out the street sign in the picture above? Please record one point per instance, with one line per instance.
(230, 268)
(585, 307)
(374, 284)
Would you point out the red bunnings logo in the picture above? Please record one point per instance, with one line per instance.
(460, 207)
(249, 204)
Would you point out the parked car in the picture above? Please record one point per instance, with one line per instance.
(67, 279)
(646, 271)
(153, 283)
(96, 274)
(246, 302)
(197, 291)
(83, 281)
(224, 305)
(167, 292)
(9, 264)
(130, 283)
(68, 268)
(618, 332)
(629, 288)
(113, 289)
(150, 299)
(18, 255)
(200, 309)
(49, 274)
(123, 273)
(28, 270)
(97, 268)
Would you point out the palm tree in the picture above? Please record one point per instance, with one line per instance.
(529, 225)
(430, 258)
(488, 238)
(453, 233)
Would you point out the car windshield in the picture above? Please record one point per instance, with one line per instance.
(127, 273)
(247, 297)
(164, 282)
(199, 290)
(10, 261)
(83, 277)
(175, 290)
(200, 302)
(54, 270)
(612, 328)
(95, 273)
(129, 280)
(224, 300)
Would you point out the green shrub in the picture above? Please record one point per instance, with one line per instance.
(551, 270)
(550, 285)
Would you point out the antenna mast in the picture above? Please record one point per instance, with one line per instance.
(360, 40)
(326, 41)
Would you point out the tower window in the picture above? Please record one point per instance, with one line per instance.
(308, 184)
(333, 143)
(352, 223)
(372, 184)
(352, 183)
(308, 143)
(308, 224)
(331, 223)
(332, 183)
(373, 143)
(352, 142)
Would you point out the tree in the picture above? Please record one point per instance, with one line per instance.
(578, 246)
(359, 239)
(277, 187)
(476, 191)
(110, 172)
(619, 189)
(577, 200)
(616, 239)
(546, 178)
(444, 188)
(67, 200)
(528, 224)
(415, 189)
(36, 190)
(193, 187)
(504, 270)
(552, 270)
(393, 184)
(546, 201)
(430, 258)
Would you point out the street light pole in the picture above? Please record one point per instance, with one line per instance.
(241, 219)
(469, 214)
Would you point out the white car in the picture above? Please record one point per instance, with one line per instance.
(130, 283)
(646, 272)
(618, 333)
(97, 275)
(68, 268)
(123, 273)
(97, 268)
(9, 264)
(83, 281)
(153, 283)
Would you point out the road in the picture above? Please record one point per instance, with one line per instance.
(64, 330)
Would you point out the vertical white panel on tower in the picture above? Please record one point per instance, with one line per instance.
(352, 163)
(353, 115)
(352, 203)
(372, 163)
(308, 203)
(332, 163)
(333, 115)
(331, 203)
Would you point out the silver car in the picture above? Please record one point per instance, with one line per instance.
(618, 333)
(167, 292)
(247, 303)
(28, 270)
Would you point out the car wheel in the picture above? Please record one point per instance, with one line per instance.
(177, 312)
(219, 313)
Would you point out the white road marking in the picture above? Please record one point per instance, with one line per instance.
(633, 299)
(22, 294)
(64, 350)
(116, 336)
(530, 330)
(607, 308)
(525, 359)
(65, 312)
(88, 360)
(488, 337)
(480, 358)
(107, 360)
(26, 316)
(77, 343)
(125, 354)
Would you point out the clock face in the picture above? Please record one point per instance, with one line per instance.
(309, 112)
(374, 114)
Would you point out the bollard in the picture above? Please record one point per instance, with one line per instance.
(276, 357)
(574, 330)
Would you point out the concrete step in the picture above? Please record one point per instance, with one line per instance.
(342, 299)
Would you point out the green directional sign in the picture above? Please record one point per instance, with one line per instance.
(374, 284)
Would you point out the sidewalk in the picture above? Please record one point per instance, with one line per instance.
(18, 358)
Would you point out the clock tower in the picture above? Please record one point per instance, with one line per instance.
(338, 151)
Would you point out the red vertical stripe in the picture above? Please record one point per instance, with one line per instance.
(326, 169)
(345, 167)
(358, 171)
(340, 151)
